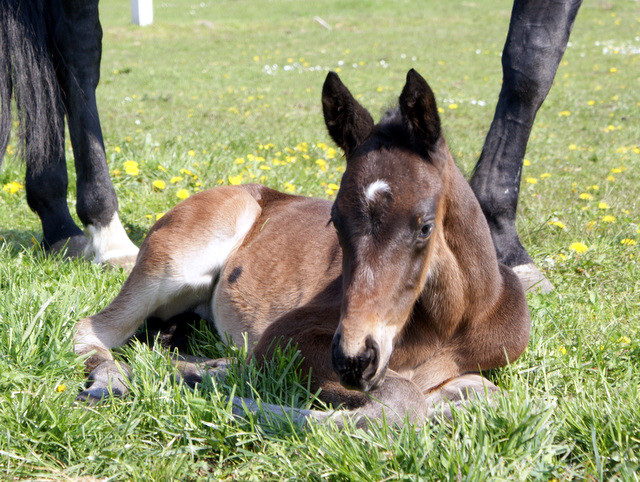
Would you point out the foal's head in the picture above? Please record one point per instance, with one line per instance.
(387, 218)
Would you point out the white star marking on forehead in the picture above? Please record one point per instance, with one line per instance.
(372, 190)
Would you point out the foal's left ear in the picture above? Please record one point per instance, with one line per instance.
(419, 110)
(349, 123)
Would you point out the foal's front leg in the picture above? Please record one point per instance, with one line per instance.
(395, 400)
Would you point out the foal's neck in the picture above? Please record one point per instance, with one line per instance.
(464, 273)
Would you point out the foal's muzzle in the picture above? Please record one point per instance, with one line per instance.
(358, 372)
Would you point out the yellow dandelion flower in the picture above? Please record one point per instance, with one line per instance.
(572, 147)
(131, 168)
(578, 247)
(61, 388)
(608, 218)
(239, 160)
(159, 215)
(453, 106)
(530, 180)
(331, 153)
(564, 113)
(627, 242)
(235, 180)
(116, 172)
(330, 192)
(559, 224)
(562, 350)
(264, 167)
(603, 205)
(333, 186)
(616, 170)
(12, 187)
(440, 110)
(159, 184)
(585, 196)
(561, 257)
(289, 187)
(117, 148)
(545, 175)
(161, 168)
(176, 179)
(527, 162)
(182, 194)
(611, 178)
(591, 102)
(613, 70)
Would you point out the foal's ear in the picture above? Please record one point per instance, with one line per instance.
(419, 110)
(349, 123)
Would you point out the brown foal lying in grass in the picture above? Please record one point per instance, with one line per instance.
(392, 294)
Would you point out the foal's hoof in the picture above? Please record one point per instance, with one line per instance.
(73, 247)
(532, 279)
(94, 396)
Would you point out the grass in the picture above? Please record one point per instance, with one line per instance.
(191, 97)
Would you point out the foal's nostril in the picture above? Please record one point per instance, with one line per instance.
(372, 353)
(356, 371)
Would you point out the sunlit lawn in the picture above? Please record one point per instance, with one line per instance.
(229, 92)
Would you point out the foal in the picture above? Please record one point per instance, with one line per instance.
(392, 294)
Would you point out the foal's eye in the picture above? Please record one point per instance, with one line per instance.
(425, 230)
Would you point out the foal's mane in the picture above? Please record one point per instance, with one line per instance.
(393, 131)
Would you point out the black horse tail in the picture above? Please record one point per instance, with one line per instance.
(27, 73)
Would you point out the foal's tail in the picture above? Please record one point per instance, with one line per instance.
(26, 71)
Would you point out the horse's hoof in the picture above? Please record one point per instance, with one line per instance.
(73, 247)
(532, 280)
(93, 396)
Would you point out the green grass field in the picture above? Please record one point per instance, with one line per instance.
(227, 92)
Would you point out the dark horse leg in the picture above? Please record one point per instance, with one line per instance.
(49, 61)
(537, 38)
(76, 46)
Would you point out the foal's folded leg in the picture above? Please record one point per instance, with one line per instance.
(192, 370)
(95, 336)
(458, 392)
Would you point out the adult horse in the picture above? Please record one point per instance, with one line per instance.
(49, 74)
(392, 294)
(50, 61)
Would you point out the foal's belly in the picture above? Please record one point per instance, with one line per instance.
(286, 261)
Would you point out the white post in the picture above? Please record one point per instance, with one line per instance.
(142, 12)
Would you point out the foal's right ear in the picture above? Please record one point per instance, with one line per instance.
(349, 123)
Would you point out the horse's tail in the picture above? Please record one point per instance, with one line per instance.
(27, 73)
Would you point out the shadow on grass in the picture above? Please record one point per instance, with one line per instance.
(135, 232)
(19, 240)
